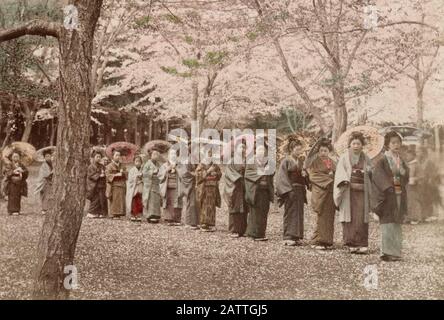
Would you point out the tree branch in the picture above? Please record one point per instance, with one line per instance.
(35, 27)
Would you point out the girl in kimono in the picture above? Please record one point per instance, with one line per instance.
(15, 187)
(352, 187)
(413, 194)
(208, 175)
(170, 190)
(321, 174)
(234, 195)
(259, 193)
(389, 197)
(116, 177)
(134, 187)
(96, 188)
(44, 182)
(151, 188)
(291, 185)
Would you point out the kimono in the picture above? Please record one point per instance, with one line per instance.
(413, 193)
(134, 191)
(321, 174)
(389, 201)
(234, 195)
(15, 186)
(259, 193)
(151, 191)
(428, 186)
(291, 189)
(207, 193)
(188, 184)
(171, 193)
(351, 193)
(96, 190)
(44, 185)
(116, 188)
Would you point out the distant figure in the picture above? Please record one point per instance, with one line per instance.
(170, 190)
(291, 188)
(259, 194)
(413, 193)
(151, 188)
(208, 175)
(15, 185)
(96, 188)
(234, 195)
(389, 196)
(428, 184)
(322, 174)
(134, 190)
(351, 192)
(44, 182)
(116, 176)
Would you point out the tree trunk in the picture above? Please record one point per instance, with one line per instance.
(419, 106)
(58, 239)
(340, 109)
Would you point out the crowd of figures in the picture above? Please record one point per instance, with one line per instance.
(395, 188)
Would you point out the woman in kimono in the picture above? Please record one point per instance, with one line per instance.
(44, 182)
(15, 187)
(134, 190)
(389, 196)
(151, 188)
(116, 176)
(321, 174)
(208, 175)
(259, 193)
(291, 185)
(351, 192)
(428, 184)
(234, 195)
(187, 180)
(96, 188)
(170, 190)
(413, 195)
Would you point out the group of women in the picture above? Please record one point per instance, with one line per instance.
(157, 190)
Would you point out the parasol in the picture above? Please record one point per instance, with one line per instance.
(127, 151)
(39, 157)
(27, 152)
(374, 142)
(160, 145)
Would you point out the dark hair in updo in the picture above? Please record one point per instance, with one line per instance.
(95, 152)
(293, 144)
(48, 151)
(325, 143)
(388, 137)
(356, 136)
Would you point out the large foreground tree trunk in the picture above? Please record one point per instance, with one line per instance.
(340, 111)
(62, 225)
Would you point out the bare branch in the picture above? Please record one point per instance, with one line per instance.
(35, 27)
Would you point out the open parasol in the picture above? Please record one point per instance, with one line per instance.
(39, 157)
(374, 142)
(26, 150)
(127, 151)
(160, 145)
